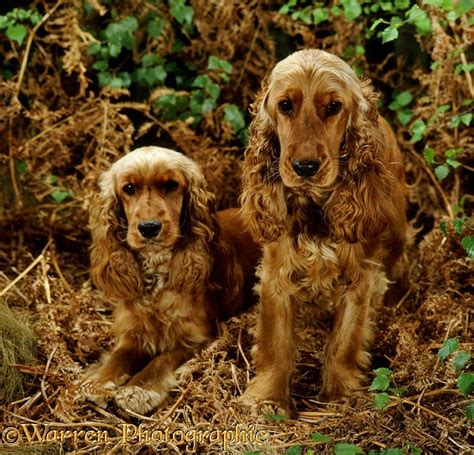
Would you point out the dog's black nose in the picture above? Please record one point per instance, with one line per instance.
(306, 168)
(149, 229)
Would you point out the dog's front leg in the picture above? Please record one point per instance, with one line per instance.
(275, 349)
(113, 370)
(347, 347)
(147, 390)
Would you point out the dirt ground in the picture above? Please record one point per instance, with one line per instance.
(44, 278)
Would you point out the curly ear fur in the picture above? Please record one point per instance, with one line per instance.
(113, 267)
(199, 229)
(263, 197)
(198, 219)
(361, 206)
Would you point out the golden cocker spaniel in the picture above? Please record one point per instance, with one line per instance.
(324, 191)
(172, 265)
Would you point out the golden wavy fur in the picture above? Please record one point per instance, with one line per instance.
(173, 266)
(324, 191)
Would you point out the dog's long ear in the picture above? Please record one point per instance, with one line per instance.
(198, 214)
(113, 266)
(199, 231)
(362, 205)
(263, 200)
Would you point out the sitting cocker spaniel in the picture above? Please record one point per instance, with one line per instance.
(172, 265)
(324, 192)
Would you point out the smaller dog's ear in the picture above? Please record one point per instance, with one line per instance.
(113, 267)
(198, 211)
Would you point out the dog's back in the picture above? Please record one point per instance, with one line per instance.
(235, 260)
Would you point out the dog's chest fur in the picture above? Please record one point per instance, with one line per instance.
(163, 317)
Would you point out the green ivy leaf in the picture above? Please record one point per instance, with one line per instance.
(182, 13)
(458, 225)
(412, 450)
(275, 417)
(21, 166)
(468, 245)
(155, 26)
(429, 155)
(376, 23)
(343, 448)
(404, 116)
(203, 81)
(381, 400)
(17, 33)
(319, 437)
(452, 153)
(402, 4)
(351, 8)
(114, 49)
(215, 63)
(321, 15)
(466, 118)
(233, 115)
(295, 450)
(470, 411)
(441, 171)
(448, 347)
(455, 121)
(200, 104)
(381, 382)
(100, 65)
(443, 108)
(4, 22)
(93, 48)
(404, 98)
(465, 383)
(398, 391)
(60, 196)
(389, 34)
(383, 372)
(121, 80)
(419, 18)
(418, 130)
(171, 106)
(460, 360)
(453, 163)
(104, 78)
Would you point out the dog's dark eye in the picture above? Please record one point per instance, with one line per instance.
(129, 189)
(333, 108)
(285, 107)
(170, 186)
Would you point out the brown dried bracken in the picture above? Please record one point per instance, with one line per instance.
(54, 121)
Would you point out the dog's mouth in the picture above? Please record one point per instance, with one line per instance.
(149, 239)
(321, 181)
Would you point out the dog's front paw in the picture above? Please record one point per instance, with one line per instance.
(138, 399)
(340, 386)
(267, 403)
(97, 392)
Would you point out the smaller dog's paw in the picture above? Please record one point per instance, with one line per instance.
(137, 399)
(99, 393)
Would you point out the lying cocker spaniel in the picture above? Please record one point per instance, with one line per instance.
(324, 191)
(173, 266)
